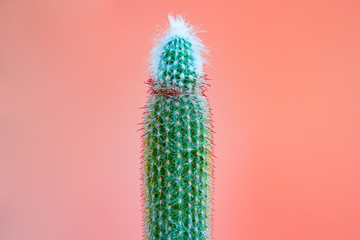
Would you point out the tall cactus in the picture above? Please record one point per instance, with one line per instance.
(177, 160)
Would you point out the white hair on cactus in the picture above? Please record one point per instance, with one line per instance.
(178, 27)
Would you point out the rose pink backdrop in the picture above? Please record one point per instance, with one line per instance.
(285, 91)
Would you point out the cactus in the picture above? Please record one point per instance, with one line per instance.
(177, 159)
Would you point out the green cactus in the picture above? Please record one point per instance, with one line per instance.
(177, 160)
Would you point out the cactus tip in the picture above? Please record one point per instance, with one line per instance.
(178, 26)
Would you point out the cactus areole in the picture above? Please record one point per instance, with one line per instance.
(177, 159)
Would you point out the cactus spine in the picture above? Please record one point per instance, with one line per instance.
(177, 160)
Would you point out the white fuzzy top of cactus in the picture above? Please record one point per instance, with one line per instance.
(178, 27)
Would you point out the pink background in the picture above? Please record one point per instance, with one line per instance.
(285, 93)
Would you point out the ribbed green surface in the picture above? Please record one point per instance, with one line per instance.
(177, 165)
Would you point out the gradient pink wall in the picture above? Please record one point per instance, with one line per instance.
(285, 94)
